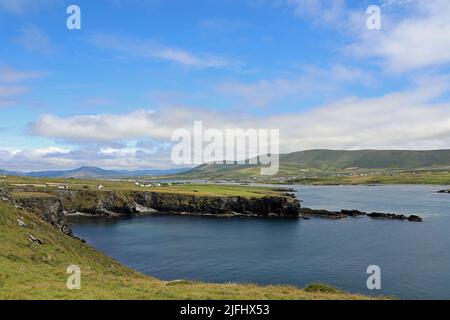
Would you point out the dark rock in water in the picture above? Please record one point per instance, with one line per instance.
(415, 218)
(305, 212)
(412, 218)
(443, 191)
(390, 216)
(331, 214)
(353, 213)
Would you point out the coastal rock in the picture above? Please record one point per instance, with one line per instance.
(49, 209)
(307, 212)
(391, 216)
(113, 203)
(353, 213)
(415, 218)
(265, 206)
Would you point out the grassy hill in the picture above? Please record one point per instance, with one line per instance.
(93, 172)
(333, 160)
(32, 270)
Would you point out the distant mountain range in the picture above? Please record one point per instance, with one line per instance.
(94, 172)
(291, 164)
(296, 163)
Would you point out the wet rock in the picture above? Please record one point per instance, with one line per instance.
(390, 216)
(353, 213)
(414, 218)
(307, 212)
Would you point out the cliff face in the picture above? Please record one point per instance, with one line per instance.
(49, 209)
(110, 203)
(266, 206)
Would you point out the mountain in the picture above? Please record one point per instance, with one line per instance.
(291, 164)
(331, 160)
(94, 172)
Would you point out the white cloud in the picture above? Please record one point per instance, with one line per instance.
(414, 33)
(138, 124)
(53, 158)
(417, 39)
(409, 119)
(150, 50)
(312, 81)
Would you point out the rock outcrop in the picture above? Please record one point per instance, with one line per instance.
(50, 209)
(57, 204)
(307, 212)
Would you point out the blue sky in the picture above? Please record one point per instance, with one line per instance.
(111, 93)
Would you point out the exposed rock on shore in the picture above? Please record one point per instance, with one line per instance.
(356, 213)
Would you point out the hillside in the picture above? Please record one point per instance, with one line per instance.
(296, 163)
(34, 257)
(291, 164)
(93, 172)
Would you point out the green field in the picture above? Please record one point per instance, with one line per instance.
(38, 271)
(39, 186)
(438, 178)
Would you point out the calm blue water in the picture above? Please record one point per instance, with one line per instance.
(414, 257)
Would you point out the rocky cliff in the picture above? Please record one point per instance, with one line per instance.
(48, 208)
(54, 206)
(111, 203)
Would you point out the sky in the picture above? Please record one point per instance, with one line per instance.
(112, 93)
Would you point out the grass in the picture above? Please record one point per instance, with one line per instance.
(438, 178)
(23, 184)
(38, 271)
(30, 195)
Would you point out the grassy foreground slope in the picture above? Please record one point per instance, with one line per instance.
(31, 270)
